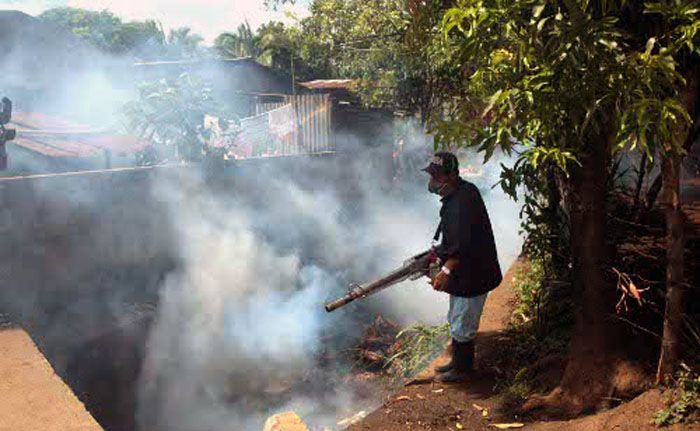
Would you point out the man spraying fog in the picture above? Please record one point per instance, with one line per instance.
(468, 251)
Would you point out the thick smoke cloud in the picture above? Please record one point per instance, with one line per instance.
(240, 323)
(240, 331)
(45, 68)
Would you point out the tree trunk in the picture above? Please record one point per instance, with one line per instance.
(675, 288)
(586, 380)
(586, 376)
(640, 180)
(673, 323)
(649, 199)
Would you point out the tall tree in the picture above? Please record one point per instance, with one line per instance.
(566, 80)
(278, 45)
(183, 43)
(680, 30)
(108, 33)
(142, 39)
(393, 55)
(98, 28)
(242, 43)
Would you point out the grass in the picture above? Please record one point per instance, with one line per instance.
(415, 347)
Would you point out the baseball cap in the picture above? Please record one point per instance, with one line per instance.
(442, 163)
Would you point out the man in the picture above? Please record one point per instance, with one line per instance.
(468, 251)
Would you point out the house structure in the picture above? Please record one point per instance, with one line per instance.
(49, 144)
(352, 123)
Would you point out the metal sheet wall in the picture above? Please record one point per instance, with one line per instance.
(313, 125)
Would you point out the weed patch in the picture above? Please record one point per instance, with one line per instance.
(537, 336)
(684, 402)
(415, 347)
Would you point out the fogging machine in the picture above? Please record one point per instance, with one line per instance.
(423, 264)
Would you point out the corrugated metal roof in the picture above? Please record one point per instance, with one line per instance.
(57, 137)
(38, 122)
(329, 83)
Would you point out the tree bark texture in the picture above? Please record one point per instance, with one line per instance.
(675, 241)
(587, 376)
(675, 304)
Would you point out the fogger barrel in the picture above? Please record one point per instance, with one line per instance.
(413, 268)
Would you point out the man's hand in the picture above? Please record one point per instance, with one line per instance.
(439, 282)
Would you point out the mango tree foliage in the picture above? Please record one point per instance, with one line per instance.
(542, 79)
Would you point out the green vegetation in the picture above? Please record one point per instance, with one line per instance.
(684, 401)
(537, 336)
(415, 347)
(171, 114)
(140, 39)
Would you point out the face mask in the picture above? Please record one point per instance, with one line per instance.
(435, 186)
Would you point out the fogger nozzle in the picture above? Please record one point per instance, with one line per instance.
(416, 266)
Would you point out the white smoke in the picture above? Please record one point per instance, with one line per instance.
(240, 324)
(240, 320)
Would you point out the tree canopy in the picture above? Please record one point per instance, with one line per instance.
(139, 39)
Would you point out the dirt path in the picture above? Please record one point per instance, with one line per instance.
(32, 396)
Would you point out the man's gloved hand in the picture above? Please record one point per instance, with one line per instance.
(439, 282)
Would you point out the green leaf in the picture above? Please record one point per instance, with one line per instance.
(537, 10)
(650, 46)
(492, 101)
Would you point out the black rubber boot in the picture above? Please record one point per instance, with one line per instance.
(447, 367)
(463, 364)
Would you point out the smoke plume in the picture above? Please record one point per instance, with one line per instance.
(240, 323)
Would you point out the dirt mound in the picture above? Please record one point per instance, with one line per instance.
(634, 415)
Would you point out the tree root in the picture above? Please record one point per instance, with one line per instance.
(581, 391)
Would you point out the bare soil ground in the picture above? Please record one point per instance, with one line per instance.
(32, 396)
(474, 406)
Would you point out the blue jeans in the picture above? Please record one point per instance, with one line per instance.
(464, 316)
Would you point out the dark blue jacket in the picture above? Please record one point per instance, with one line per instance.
(467, 235)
